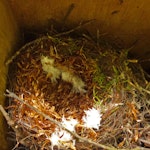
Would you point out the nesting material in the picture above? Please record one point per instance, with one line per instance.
(91, 91)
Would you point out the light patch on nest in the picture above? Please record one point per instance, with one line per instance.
(54, 72)
(48, 66)
(63, 138)
(92, 118)
(78, 84)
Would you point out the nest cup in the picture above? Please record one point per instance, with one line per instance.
(61, 79)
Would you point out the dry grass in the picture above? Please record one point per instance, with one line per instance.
(114, 84)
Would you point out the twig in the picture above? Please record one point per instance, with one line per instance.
(25, 47)
(12, 95)
(144, 141)
(71, 7)
(12, 124)
(10, 60)
(38, 40)
(9, 121)
(74, 29)
(82, 139)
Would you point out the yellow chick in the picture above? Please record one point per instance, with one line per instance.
(48, 66)
(77, 83)
(55, 73)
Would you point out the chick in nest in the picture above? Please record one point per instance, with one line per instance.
(77, 83)
(55, 72)
(48, 66)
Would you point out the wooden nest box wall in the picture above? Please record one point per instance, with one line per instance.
(124, 23)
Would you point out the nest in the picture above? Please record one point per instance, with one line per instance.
(56, 79)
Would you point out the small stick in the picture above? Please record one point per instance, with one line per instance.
(13, 95)
(23, 48)
(12, 124)
(145, 141)
(9, 121)
(10, 60)
(74, 29)
(70, 9)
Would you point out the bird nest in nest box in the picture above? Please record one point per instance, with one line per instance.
(72, 94)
